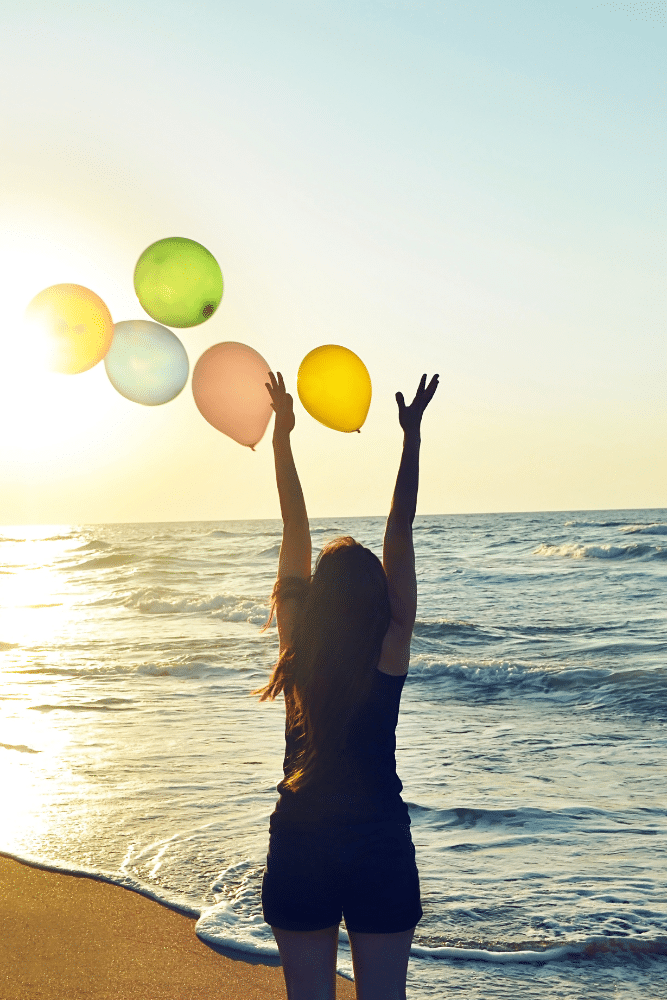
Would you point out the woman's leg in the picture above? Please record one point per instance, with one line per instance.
(309, 962)
(380, 964)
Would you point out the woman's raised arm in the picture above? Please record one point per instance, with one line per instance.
(398, 556)
(296, 549)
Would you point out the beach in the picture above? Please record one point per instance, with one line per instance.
(73, 936)
(530, 745)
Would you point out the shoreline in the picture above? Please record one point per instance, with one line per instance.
(67, 935)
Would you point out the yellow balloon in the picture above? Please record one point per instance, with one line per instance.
(76, 325)
(334, 387)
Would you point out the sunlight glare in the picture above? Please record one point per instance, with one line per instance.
(55, 423)
(33, 773)
(34, 603)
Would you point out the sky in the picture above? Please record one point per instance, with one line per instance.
(470, 189)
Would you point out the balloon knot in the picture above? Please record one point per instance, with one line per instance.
(358, 430)
(252, 447)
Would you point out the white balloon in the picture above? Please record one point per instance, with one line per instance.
(146, 362)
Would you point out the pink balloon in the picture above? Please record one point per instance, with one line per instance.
(229, 386)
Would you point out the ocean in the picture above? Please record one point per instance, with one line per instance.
(531, 742)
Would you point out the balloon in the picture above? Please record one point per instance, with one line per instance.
(229, 386)
(178, 282)
(146, 362)
(334, 387)
(76, 325)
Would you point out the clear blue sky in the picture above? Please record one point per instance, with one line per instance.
(475, 189)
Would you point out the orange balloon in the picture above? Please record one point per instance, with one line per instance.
(76, 324)
(229, 387)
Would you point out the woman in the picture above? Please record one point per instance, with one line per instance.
(340, 841)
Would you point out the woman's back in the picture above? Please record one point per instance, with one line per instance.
(360, 783)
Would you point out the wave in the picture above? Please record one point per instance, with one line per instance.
(190, 667)
(104, 562)
(533, 819)
(592, 947)
(93, 546)
(645, 529)
(458, 630)
(575, 550)
(99, 670)
(99, 705)
(488, 675)
(271, 532)
(595, 524)
(20, 749)
(632, 687)
(171, 560)
(273, 550)
(194, 669)
(228, 607)
(8, 645)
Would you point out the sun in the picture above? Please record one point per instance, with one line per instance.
(47, 416)
(51, 422)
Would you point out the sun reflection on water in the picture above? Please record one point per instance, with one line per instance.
(36, 599)
(33, 772)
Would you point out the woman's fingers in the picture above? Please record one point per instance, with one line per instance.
(281, 401)
(276, 387)
(419, 395)
(422, 398)
(420, 389)
(433, 385)
(278, 383)
(427, 394)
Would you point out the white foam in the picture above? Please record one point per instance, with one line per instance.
(645, 529)
(228, 607)
(575, 550)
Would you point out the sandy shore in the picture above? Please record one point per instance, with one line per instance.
(67, 936)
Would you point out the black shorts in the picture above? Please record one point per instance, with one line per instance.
(366, 873)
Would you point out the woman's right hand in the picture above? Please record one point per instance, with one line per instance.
(281, 403)
(410, 417)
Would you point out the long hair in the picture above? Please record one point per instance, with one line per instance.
(326, 671)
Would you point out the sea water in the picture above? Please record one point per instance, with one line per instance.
(531, 742)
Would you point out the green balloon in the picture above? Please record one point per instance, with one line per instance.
(178, 282)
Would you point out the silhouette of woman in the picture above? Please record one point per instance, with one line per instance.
(340, 842)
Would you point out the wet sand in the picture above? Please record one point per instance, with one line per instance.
(75, 937)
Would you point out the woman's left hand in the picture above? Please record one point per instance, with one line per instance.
(282, 403)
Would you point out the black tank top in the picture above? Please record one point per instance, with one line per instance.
(364, 787)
